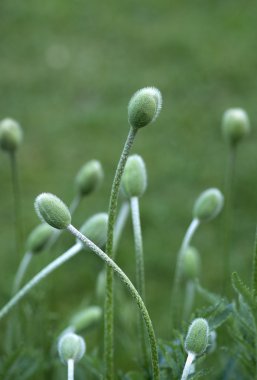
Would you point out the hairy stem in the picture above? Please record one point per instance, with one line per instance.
(21, 271)
(108, 317)
(134, 293)
(119, 225)
(189, 299)
(70, 365)
(17, 202)
(187, 368)
(39, 277)
(140, 271)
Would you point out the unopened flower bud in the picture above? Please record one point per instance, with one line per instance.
(71, 347)
(197, 337)
(52, 210)
(95, 229)
(89, 177)
(191, 263)
(144, 107)
(39, 238)
(208, 205)
(85, 319)
(10, 135)
(134, 179)
(235, 125)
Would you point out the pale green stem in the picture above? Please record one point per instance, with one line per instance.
(40, 276)
(140, 272)
(179, 266)
(188, 364)
(189, 299)
(108, 316)
(228, 216)
(21, 271)
(17, 202)
(70, 364)
(74, 204)
(120, 224)
(134, 293)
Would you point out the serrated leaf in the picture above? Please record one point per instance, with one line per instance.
(244, 291)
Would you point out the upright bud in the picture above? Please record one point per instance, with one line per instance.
(86, 318)
(208, 205)
(134, 179)
(197, 337)
(52, 210)
(95, 229)
(144, 107)
(10, 135)
(71, 347)
(235, 125)
(191, 263)
(89, 177)
(39, 238)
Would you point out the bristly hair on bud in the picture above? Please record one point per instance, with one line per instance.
(235, 125)
(89, 177)
(10, 135)
(71, 347)
(39, 237)
(144, 107)
(52, 210)
(208, 205)
(95, 229)
(197, 337)
(134, 179)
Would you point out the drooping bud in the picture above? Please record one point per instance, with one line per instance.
(39, 238)
(208, 205)
(10, 135)
(52, 210)
(85, 319)
(144, 107)
(89, 177)
(134, 179)
(191, 263)
(197, 337)
(235, 125)
(71, 347)
(95, 229)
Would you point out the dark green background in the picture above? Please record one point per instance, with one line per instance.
(67, 72)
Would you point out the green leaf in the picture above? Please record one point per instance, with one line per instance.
(244, 291)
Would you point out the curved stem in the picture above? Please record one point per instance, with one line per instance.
(119, 225)
(140, 271)
(179, 266)
(187, 368)
(21, 271)
(134, 293)
(70, 364)
(17, 202)
(108, 320)
(39, 277)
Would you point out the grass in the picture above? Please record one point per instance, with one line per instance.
(200, 55)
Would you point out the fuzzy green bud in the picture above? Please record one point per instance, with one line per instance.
(144, 107)
(95, 229)
(89, 177)
(197, 337)
(191, 263)
(134, 179)
(208, 205)
(71, 347)
(10, 135)
(85, 319)
(235, 125)
(39, 238)
(52, 210)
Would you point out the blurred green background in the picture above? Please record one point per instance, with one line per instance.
(67, 72)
